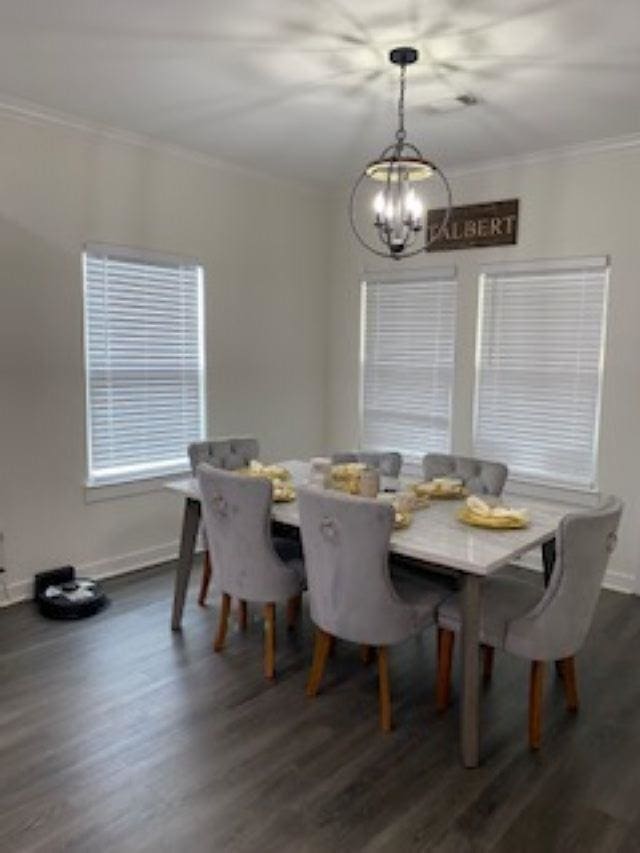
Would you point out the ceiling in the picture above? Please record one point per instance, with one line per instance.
(303, 88)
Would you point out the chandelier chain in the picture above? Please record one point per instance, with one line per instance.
(401, 133)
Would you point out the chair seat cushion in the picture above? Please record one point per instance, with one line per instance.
(502, 600)
(287, 549)
(290, 552)
(422, 593)
(298, 567)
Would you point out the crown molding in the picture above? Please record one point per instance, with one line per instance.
(33, 113)
(575, 151)
(37, 114)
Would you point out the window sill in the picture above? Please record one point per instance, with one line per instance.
(529, 489)
(97, 492)
(548, 491)
(411, 467)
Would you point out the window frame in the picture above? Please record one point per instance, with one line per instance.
(148, 480)
(545, 266)
(390, 278)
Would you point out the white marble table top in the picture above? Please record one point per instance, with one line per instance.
(435, 534)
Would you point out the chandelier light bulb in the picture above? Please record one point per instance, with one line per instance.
(379, 203)
(411, 203)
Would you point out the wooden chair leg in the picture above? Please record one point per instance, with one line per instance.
(487, 663)
(205, 579)
(445, 659)
(536, 689)
(568, 672)
(242, 614)
(223, 621)
(384, 689)
(320, 655)
(366, 654)
(270, 640)
(293, 611)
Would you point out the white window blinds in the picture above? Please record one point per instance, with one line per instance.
(144, 354)
(407, 370)
(539, 370)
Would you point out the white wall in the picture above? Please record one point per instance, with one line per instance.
(263, 246)
(282, 319)
(577, 205)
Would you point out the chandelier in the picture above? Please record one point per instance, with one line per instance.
(388, 203)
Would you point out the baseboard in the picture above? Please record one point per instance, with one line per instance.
(15, 592)
(125, 563)
(101, 569)
(620, 582)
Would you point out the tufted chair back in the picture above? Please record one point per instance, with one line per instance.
(237, 516)
(346, 543)
(557, 626)
(226, 453)
(388, 464)
(479, 477)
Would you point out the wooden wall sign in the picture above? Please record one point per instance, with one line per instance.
(472, 226)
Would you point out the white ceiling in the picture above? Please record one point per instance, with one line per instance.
(303, 87)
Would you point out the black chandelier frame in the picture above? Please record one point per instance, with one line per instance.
(400, 156)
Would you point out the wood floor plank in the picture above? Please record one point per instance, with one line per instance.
(116, 734)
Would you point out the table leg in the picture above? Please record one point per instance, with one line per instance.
(190, 522)
(470, 711)
(548, 558)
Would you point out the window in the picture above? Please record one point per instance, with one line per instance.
(407, 363)
(144, 353)
(539, 369)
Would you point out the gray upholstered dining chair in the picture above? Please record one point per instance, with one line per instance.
(228, 454)
(346, 547)
(388, 464)
(250, 564)
(541, 626)
(479, 476)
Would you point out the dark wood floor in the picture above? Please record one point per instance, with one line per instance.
(117, 735)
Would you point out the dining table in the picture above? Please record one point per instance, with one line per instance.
(435, 537)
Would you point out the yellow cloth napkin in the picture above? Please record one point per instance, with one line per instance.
(283, 490)
(481, 508)
(271, 472)
(447, 483)
(347, 470)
